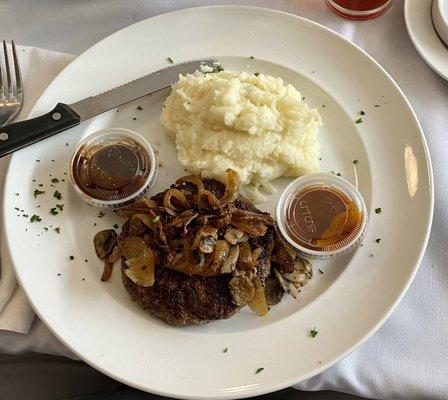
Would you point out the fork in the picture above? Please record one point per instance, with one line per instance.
(11, 91)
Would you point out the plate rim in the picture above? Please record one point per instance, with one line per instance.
(262, 389)
(408, 4)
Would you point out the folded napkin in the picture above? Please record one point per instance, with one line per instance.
(39, 67)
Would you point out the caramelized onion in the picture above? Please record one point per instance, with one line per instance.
(258, 302)
(232, 187)
(107, 271)
(211, 200)
(194, 179)
(245, 256)
(174, 194)
(252, 229)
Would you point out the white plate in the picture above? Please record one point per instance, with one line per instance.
(440, 18)
(346, 304)
(417, 14)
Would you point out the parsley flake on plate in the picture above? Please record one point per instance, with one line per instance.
(35, 218)
(313, 332)
(38, 192)
(57, 194)
(259, 370)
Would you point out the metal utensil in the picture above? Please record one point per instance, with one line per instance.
(64, 116)
(11, 91)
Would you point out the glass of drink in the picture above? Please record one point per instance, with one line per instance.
(359, 9)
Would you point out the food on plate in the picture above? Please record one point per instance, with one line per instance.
(252, 123)
(322, 215)
(199, 251)
(113, 168)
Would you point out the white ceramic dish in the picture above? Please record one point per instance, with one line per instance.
(440, 18)
(346, 304)
(424, 36)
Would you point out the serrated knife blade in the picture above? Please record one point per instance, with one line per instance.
(95, 105)
(65, 116)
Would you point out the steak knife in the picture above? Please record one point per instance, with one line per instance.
(65, 116)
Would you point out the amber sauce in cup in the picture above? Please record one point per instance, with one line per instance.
(321, 215)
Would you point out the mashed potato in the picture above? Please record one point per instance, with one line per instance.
(252, 123)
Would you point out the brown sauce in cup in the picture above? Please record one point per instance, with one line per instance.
(322, 218)
(110, 171)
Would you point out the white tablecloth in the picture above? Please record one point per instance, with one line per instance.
(408, 357)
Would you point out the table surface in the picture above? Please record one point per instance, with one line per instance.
(72, 26)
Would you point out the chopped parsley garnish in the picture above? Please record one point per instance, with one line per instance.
(54, 180)
(256, 73)
(259, 370)
(134, 118)
(225, 350)
(251, 57)
(355, 162)
(57, 194)
(40, 185)
(378, 240)
(358, 121)
(53, 211)
(35, 218)
(378, 210)
(57, 229)
(101, 214)
(17, 208)
(155, 219)
(139, 108)
(376, 105)
(37, 160)
(170, 60)
(313, 332)
(59, 274)
(71, 258)
(370, 255)
(338, 174)
(17, 194)
(115, 226)
(60, 206)
(322, 272)
(46, 229)
(86, 260)
(362, 112)
(94, 224)
(37, 192)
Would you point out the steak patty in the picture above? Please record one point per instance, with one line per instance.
(182, 299)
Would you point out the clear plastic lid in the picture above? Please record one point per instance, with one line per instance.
(321, 215)
(113, 168)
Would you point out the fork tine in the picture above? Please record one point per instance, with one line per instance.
(17, 71)
(1, 80)
(8, 72)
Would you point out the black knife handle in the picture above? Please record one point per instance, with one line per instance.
(21, 134)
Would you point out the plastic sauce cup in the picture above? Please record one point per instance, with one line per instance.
(113, 168)
(321, 215)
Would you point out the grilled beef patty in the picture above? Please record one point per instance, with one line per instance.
(181, 299)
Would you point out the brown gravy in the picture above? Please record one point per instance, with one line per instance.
(112, 170)
(319, 218)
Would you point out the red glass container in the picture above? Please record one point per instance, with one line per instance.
(359, 9)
